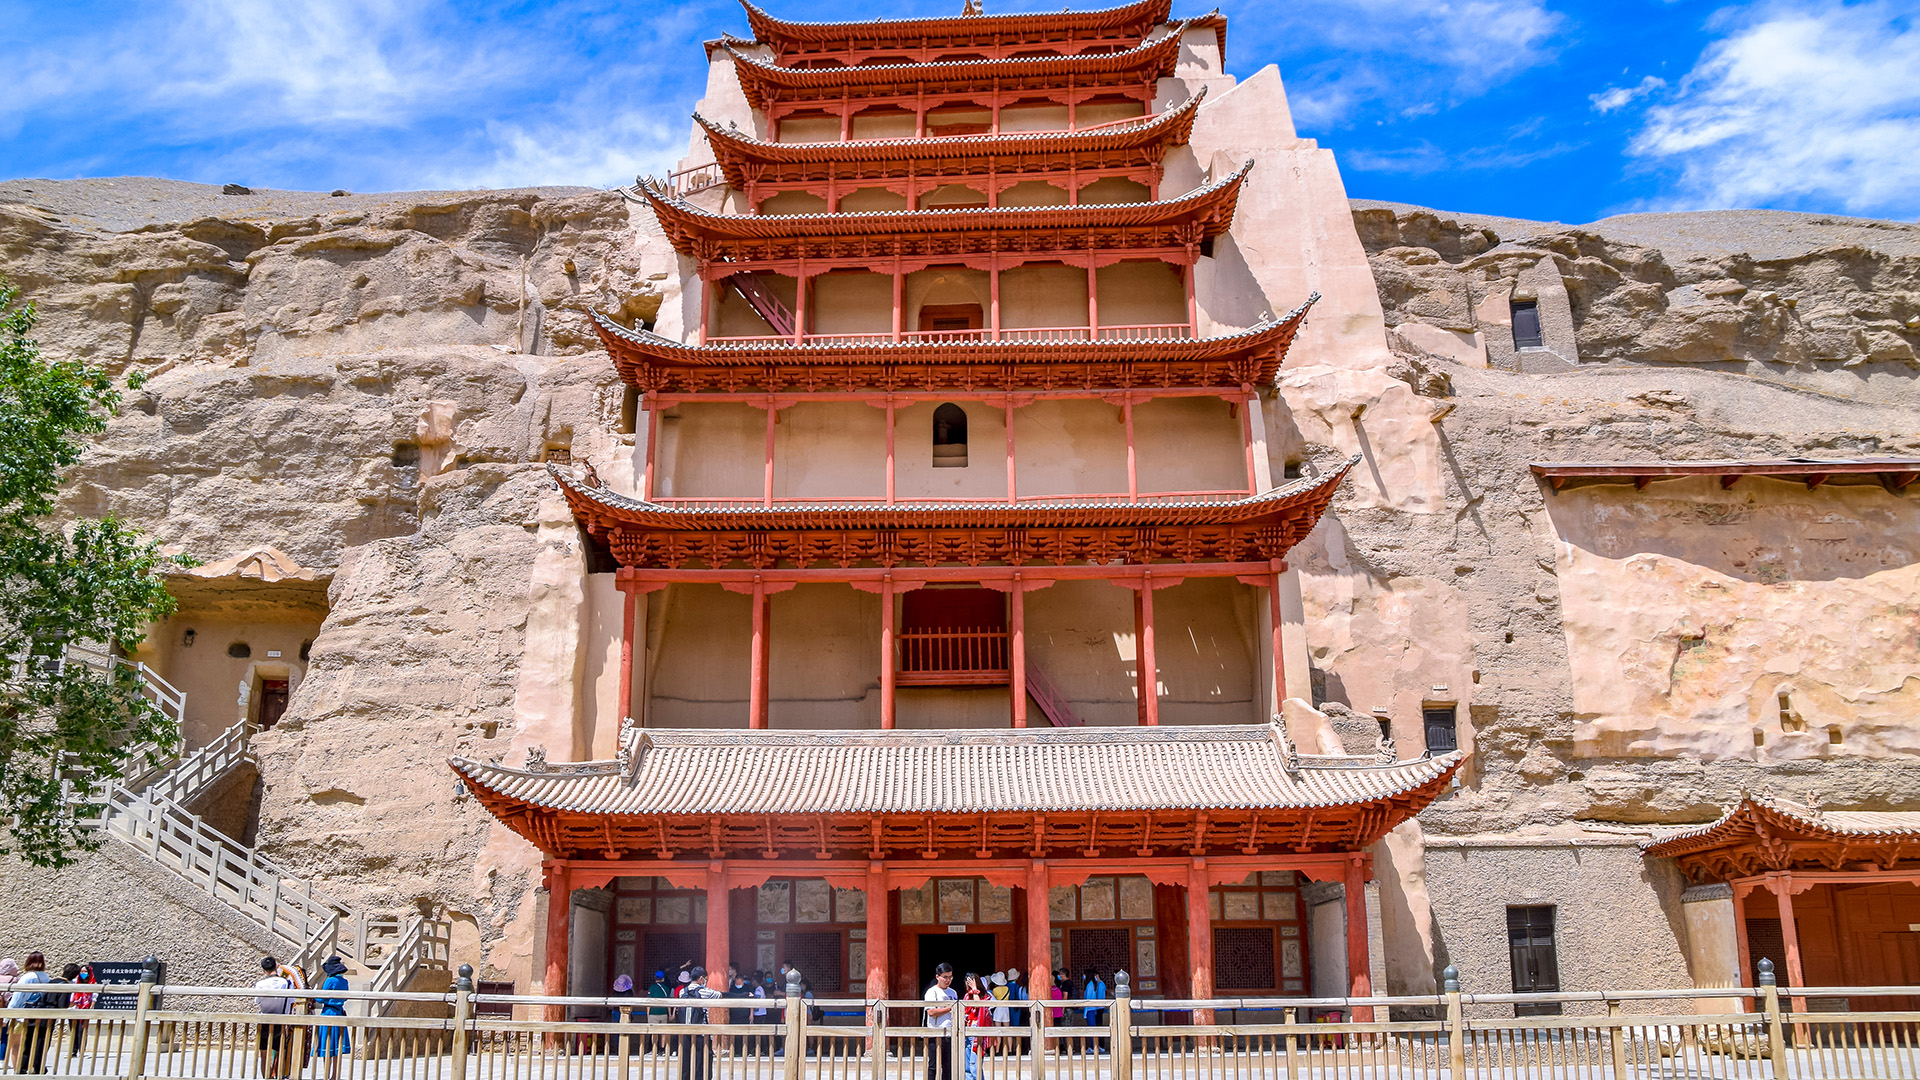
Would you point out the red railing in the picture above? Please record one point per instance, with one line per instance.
(1039, 334)
(954, 658)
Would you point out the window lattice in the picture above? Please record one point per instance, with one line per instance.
(1243, 958)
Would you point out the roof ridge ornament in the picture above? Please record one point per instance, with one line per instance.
(1288, 752)
(634, 744)
(973, 7)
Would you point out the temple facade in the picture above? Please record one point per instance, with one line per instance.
(956, 620)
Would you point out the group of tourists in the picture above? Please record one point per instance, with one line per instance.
(977, 999)
(283, 1049)
(24, 1043)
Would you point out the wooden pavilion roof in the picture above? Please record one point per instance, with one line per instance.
(767, 84)
(1128, 21)
(1146, 140)
(1250, 357)
(1760, 834)
(724, 533)
(1141, 790)
(1181, 223)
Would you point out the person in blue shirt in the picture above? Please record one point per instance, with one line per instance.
(333, 1042)
(1095, 1016)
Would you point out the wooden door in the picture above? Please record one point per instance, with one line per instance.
(1880, 940)
(273, 702)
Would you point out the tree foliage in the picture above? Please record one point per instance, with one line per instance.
(93, 582)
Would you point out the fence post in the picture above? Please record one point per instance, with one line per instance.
(462, 1010)
(1617, 1035)
(1290, 1017)
(1456, 1024)
(796, 1028)
(1776, 1028)
(149, 975)
(879, 1035)
(1037, 1018)
(1122, 1043)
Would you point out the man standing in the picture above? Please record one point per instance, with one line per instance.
(658, 1014)
(696, 1056)
(274, 1059)
(940, 1015)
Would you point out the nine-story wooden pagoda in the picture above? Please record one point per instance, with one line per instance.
(948, 391)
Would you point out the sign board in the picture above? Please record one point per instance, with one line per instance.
(120, 972)
(956, 928)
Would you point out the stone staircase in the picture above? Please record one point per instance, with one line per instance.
(145, 808)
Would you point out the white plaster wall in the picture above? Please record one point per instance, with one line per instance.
(1069, 447)
(718, 449)
(219, 687)
(805, 129)
(985, 474)
(866, 200)
(1115, 189)
(704, 658)
(597, 731)
(1033, 193)
(1186, 444)
(824, 663)
(833, 450)
(844, 303)
(1203, 649)
(1043, 294)
(883, 123)
(1080, 633)
(1141, 292)
(793, 202)
(1033, 118)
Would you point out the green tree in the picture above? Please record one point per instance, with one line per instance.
(91, 582)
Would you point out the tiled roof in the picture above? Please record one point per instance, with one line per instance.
(1208, 208)
(1171, 126)
(762, 81)
(1737, 825)
(771, 29)
(687, 772)
(751, 514)
(1896, 473)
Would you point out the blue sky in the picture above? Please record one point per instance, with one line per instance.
(1528, 108)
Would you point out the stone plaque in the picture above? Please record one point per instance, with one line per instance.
(1063, 903)
(1241, 906)
(850, 905)
(916, 905)
(633, 884)
(812, 901)
(1096, 900)
(1136, 897)
(633, 909)
(1144, 965)
(956, 900)
(626, 935)
(1059, 954)
(671, 909)
(1282, 878)
(1279, 906)
(700, 907)
(622, 961)
(856, 957)
(775, 902)
(1213, 906)
(996, 903)
(1290, 959)
(763, 957)
(1290, 931)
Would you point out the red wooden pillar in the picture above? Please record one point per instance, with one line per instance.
(1013, 482)
(1782, 887)
(899, 300)
(719, 923)
(1745, 976)
(1359, 967)
(1039, 934)
(757, 680)
(993, 294)
(1193, 301)
(559, 922)
(1200, 938)
(887, 662)
(1093, 297)
(1017, 647)
(877, 933)
(1148, 669)
(773, 417)
(709, 304)
(889, 449)
(1278, 643)
(1133, 471)
(800, 303)
(629, 607)
(653, 445)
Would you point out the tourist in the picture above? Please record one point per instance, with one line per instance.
(622, 1012)
(658, 1014)
(33, 1034)
(1017, 991)
(758, 984)
(736, 988)
(274, 1058)
(1001, 1015)
(1058, 992)
(333, 1042)
(976, 1016)
(74, 973)
(696, 1055)
(1096, 990)
(940, 1015)
(9, 974)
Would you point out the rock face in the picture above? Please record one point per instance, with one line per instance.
(370, 385)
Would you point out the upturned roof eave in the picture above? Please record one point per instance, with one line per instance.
(771, 29)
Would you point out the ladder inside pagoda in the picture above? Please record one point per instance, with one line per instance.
(1052, 704)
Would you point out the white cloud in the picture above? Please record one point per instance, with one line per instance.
(1799, 106)
(607, 152)
(1615, 97)
(1413, 56)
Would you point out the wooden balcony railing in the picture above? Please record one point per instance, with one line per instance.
(1034, 334)
(965, 657)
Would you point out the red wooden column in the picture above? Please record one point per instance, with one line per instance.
(889, 449)
(757, 681)
(709, 305)
(1013, 482)
(1200, 938)
(994, 294)
(1039, 934)
(1359, 968)
(800, 303)
(877, 933)
(1740, 943)
(653, 445)
(773, 417)
(1133, 471)
(719, 928)
(899, 299)
(886, 663)
(1017, 646)
(559, 921)
(1147, 667)
(1279, 636)
(1193, 301)
(1781, 886)
(629, 607)
(1093, 293)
